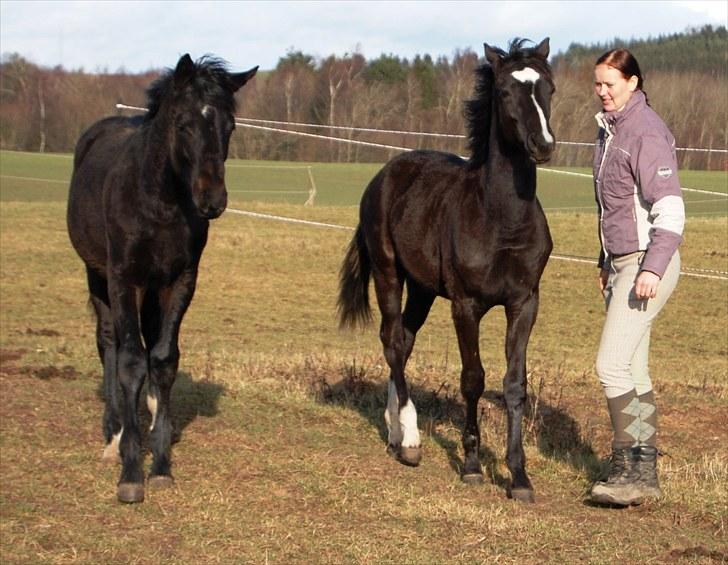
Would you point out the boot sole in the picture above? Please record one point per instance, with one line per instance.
(627, 497)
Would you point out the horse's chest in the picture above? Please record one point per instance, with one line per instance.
(161, 257)
(498, 262)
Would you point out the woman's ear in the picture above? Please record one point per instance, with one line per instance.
(633, 82)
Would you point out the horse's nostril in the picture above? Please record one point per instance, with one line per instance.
(537, 144)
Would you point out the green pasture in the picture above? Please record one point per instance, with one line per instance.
(31, 177)
(281, 453)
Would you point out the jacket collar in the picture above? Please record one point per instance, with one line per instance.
(610, 120)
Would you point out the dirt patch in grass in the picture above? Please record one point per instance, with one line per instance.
(10, 367)
(7, 356)
(44, 332)
(281, 452)
(288, 464)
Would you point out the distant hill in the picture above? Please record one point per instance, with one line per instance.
(703, 50)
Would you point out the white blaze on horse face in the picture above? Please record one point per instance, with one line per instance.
(526, 75)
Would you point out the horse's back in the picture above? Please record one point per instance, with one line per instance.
(98, 149)
(408, 207)
(416, 188)
(424, 172)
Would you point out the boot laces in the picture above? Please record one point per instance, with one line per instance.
(618, 463)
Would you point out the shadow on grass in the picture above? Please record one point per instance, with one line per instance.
(190, 398)
(555, 433)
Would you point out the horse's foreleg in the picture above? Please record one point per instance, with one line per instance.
(131, 371)
(164, 317)
(466, 317)
(400, 414)
(520, 318)
(106, 345)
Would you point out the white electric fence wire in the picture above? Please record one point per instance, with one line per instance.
(352, 128)
(699, 273)
(720, 275)
(121, 106)
(433, 134)
(330, 138)
(585, 175)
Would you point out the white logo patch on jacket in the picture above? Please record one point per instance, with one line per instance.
(664, 172)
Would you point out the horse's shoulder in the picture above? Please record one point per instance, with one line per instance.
(112, 132)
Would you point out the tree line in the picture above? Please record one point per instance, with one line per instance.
(44, 109)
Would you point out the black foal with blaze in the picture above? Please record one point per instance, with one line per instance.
(142, 194)
(470, 231)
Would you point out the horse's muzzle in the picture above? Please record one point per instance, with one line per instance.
(210, 213)
(539, 150)
(211, 203)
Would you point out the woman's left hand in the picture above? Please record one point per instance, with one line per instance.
(646, 285)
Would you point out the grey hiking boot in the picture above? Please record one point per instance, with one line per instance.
(645, 462)
(620, 487)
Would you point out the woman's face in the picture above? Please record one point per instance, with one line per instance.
(612, 88)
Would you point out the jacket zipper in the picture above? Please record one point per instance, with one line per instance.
(607, 143)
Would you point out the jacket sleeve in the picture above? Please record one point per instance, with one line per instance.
(655, 168)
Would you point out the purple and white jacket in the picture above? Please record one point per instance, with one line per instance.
(636, 186)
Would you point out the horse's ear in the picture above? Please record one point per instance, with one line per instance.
(239, 79)
(542, 49)
(493, 56)
(184, 71)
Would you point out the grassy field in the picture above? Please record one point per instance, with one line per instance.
(281, 453)
(33, 177)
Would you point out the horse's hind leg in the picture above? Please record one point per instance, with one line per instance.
(400, 415)
(520, 318)
(466, 316)
(106, 344)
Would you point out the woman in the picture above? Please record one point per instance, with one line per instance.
(641, 219)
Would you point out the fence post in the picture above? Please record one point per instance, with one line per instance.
(312, 188)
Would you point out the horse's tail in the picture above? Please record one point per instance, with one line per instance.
(353, 303)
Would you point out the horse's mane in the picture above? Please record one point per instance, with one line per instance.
(478, 111)
(211, 81)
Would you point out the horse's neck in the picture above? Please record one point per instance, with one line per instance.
(509, 177)
(158, 182)
(157, 160)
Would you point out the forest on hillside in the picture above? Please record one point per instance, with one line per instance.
(686, 78)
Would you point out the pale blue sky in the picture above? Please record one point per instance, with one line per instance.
(137, 36)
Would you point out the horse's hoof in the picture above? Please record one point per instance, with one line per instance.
(410, 456)
(130, 492)
(522, 495)
(160, 482)
(473, 478)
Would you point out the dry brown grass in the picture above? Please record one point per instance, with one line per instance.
(281, 453)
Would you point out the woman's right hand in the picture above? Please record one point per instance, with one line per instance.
(603, 278)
